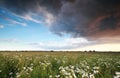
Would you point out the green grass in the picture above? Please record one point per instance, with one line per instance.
(59, 65)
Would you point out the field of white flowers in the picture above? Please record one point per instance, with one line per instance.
(59, 65)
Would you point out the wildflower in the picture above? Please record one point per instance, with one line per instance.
(61, 67)
(95, 71)
(67, 68)
(116, 77)
(80, 71)
(50, 76)
(10, 73)
(48, 64)
(74, 75)
(17, 75)
(31, 64)
(95, 68)
(70, 76)
(57, 76)
(72, 67)
(85, 75)
(63, 72)
(30, 68)
(88, 67)
(92, 76)
(77, 70)
(24, 68)
(117, 73)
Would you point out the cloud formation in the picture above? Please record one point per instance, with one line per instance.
(89, 18)
(86, 18)
(66, 44)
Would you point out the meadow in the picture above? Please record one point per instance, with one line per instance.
(59, 65)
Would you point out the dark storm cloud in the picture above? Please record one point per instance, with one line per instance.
(87, 18)
(24, 6)
(90, 18)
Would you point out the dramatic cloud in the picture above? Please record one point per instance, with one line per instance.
(87, 18)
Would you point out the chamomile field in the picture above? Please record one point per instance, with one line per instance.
(59, 65)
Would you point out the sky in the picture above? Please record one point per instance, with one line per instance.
(60, 25)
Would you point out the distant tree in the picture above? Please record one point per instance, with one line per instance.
(51, 51)
(85, 51)
(90, 51)
(93, 50)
